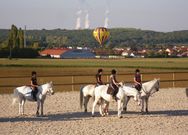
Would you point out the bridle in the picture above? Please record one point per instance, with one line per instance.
(149, 93)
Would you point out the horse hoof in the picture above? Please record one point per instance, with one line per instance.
(120, 117)
(85, 110)
(142, 113)
(37, 114)
(125, 109)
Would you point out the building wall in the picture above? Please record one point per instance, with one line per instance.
(78, 54)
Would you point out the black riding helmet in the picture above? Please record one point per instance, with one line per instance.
(33, 73)
(137, 70)
(100, 70)
(113, 71)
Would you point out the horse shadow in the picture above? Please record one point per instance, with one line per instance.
(71, 116)
(161, 112)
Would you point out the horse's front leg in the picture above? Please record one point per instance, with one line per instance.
(42, 103)
(125, 103)
(101, 109)
(106, 108)
(38, 107)
(147, 99)
(119, 108)
(142, 109)
(94, 104)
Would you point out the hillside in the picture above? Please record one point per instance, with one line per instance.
(119, 37)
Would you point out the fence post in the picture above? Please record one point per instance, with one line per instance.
(72, 83)
(107, 79)
(173, 77)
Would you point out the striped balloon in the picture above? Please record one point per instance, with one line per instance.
(101, 34)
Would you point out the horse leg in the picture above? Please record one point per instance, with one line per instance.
(119, 108)
(125, 103)
(106, 108)
(147, 104)
(142, 109)
(86, 100)
(101, 110)
(22, 106)
(42, 103)
(94, 104)
(38, 107)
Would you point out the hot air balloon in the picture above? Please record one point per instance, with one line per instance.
(101, 34)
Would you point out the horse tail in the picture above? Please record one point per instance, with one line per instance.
(81, 96)
(15, 96)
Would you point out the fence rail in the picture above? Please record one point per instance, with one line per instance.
(74, 81)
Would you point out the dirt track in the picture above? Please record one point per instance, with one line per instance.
(168, 115)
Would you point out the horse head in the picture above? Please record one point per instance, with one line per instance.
(155, 87)
(48, 87)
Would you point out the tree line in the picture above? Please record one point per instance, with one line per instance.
(119, 37)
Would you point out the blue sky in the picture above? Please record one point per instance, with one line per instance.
(158, 15)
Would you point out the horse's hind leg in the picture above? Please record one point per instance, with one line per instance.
(86, 100)
(125, 103)
(22, 104)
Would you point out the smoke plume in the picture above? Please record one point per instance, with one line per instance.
(87, 20)
(78, 20)
(106, 20)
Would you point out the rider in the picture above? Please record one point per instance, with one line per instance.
(34, 85)
(138, 80)
(114, 83)
(98, 77)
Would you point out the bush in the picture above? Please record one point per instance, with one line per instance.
(19, 53)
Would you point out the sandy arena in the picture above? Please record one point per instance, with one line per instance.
(168, 116)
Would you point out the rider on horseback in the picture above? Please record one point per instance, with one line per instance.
(34, 85)
(114, 83)
(138, 80)
(98, 77)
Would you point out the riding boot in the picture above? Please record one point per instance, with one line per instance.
(34, 96)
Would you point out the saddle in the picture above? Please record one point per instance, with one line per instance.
(110, 90)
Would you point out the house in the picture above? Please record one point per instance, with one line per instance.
(67, 53)
(53, 53)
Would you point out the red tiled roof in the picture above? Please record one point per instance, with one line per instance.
(58, 51)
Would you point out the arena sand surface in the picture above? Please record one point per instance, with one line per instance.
(168, 116)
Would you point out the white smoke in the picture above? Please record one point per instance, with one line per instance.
(106, 20)
(87, 20)
(78, 20)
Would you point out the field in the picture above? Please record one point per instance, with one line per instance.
(62, 113)
(64, 72)
(168, 116)
(155, 63)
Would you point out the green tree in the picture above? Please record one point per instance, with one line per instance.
(21, 38)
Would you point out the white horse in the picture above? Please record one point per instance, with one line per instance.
(86, 92)
(148, 89)
(101, 97)
(23, 93)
